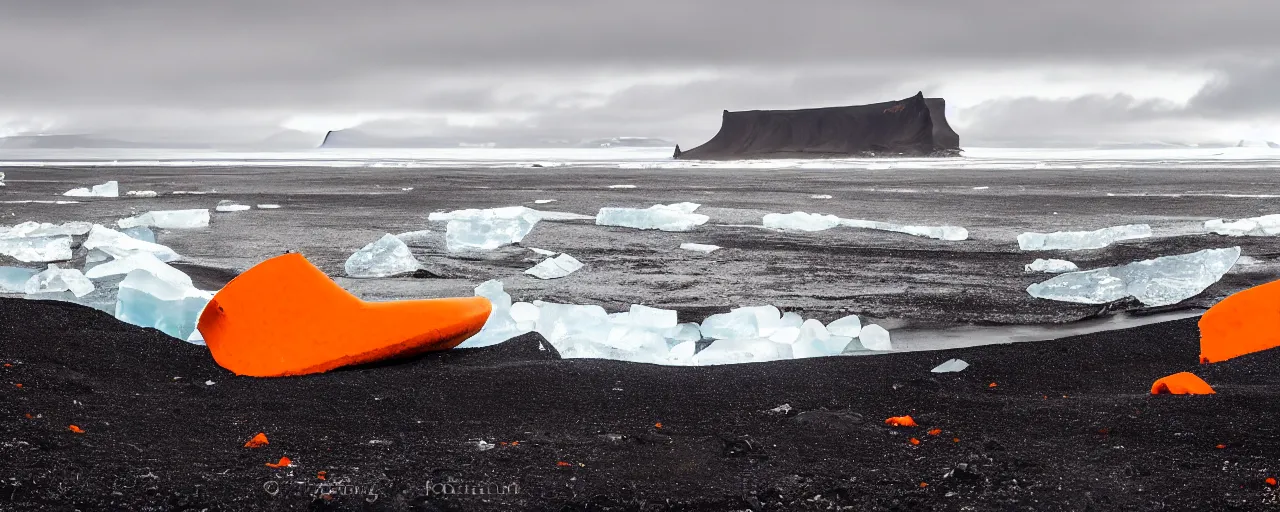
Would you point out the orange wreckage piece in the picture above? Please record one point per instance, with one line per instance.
(900, 421)
(1182, 383)
(257, 441)
(1245, 322)
(285, 317)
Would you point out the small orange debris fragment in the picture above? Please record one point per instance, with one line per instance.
(563, 464)
(915, 441)
(900, 421)
(7, 365)
(284, 463)
(19, 385)
(321, 475)
(991, 385)
(1221, 446)
(503, 443)
(515, 443)
(955, 439)
(658, 425)
(924, 484)
(935, 431)
(1182, 383)
(1271, 481)
(28, 415)
(76, 429)
(258, 441)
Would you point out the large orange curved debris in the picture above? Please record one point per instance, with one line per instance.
(1182, 383)
(286, 317)
(900, 421)
(257, 441)
(1245, 322)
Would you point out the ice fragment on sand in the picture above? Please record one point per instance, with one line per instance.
(169, 219)
(543, 252)
(622, 186)
(555, 268)
(1266, 225)
(1051, 266)
(227, 205)
(731, 351)
(164, 302)
(820, 196)
(141, 193)
(108, 189)
(682, 333)
(732, 325)
(952, 365)
(1156, 282)
(37, 249)
(420, 237)
(525, 315)
(652, 318)
(56, 279)
(952, 233)
(38, 229)
(143, 260)
(14, 279)
(849, 326)
(768, 318)
(814, 340)
(119, 246)
(668, 217)
(384, 257)
(874, 337)
(268, 206)
(703, 248)
(500, 326)
(801, 221)
(488, 229)
(1080, 240)
(542, 201)
(140, 233)
(555, 216)
(682, 353)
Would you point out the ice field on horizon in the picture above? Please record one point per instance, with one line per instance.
(644, 158)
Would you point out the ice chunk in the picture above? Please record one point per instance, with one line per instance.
(1051, 266)
(542, 201)
(37, 249)
(952, 233)
(622, 186)
(1080, 240)
(791, 319)
(108, 189)
(814, 340)
(421, 237)
(14, 279)
(1156, 282)
(768, 318)
(554, 216)
(952, 365)
(143, 260)
(682, 353)
(500, 326)
(384, 257)
(736, 324)
(45, 229)
(699, 247)
(141, 193)
(732, 351)
(558, 322)
(168, 219)
(227, 205)
(140, 233)
(1266, 225)
(849, 326)
(555, 268)
(56, 279)
(682, 333)
(787, 335)
(801, 221)
(120, 246)
(655, 319)
(525, 315)
(171, 306)
(268, 206)
(543, 252)
(820, 196)
(874, 337)
(669, 217)
(486, 229)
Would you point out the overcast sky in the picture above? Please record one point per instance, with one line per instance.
(1014, 72)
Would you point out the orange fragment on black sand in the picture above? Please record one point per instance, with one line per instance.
(1271, 481)
(321, 475)
(75, 429)
(284, 463)
(924, 484)
(28, 416)
(257, 441)
(900, 421)
(563, 464)
(915, 441)
(1221, 446)
(1181, 383)
(955, 439)
(657, 425)
(991, 385)
(935, 431)
(19, 385)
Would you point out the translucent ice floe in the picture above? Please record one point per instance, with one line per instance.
(874, 337)
(1266, 225)
(500, 326)
(801, 221)
(14, 279)
(669, 217)
(143, 260)
(1156, 282)
(542, 201)
(735, 324)
(38, 249)
(141, 193)
(169, 219)
(814, 340)
(543, 252)
(622, 186)
(384, 257)
(167, 302)
(1051, 266)
(704, 248)
(734, 351)
(850, 326)
(487, 229)
(951, 233)
(108, 189)
(820, 196)
(119, 246)
(34, 229)
(419, 238)
(1081, 240)
(56, 279)
(227, 205)
(555, 268)
(140, 233)
(268, 206)
(951, 365)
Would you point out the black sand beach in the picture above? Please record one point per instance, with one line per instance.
(1067, 425)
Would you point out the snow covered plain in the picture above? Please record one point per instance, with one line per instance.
(333, 206)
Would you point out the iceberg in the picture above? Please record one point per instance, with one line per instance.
(670, 217)
(141, 193)
(488, 229)
(384, 257)
(119, 246)
(951, 365)
(555, 268)
(56, 279)
(733, 351)
(703, 248)
(1266, 225)
(1081, 240)
(500, 326)
(37, 249)
(227, 205)
(951, 233)
(168, 219)
(166, 302)
(874, 337)
(108, 189)
(14, 279)
(1156, 282)
(801, 221)
(45, 229)
(1051, 266)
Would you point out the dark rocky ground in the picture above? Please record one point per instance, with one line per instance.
(1068, 425)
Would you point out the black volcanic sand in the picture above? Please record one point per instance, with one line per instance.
(1068, 426)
